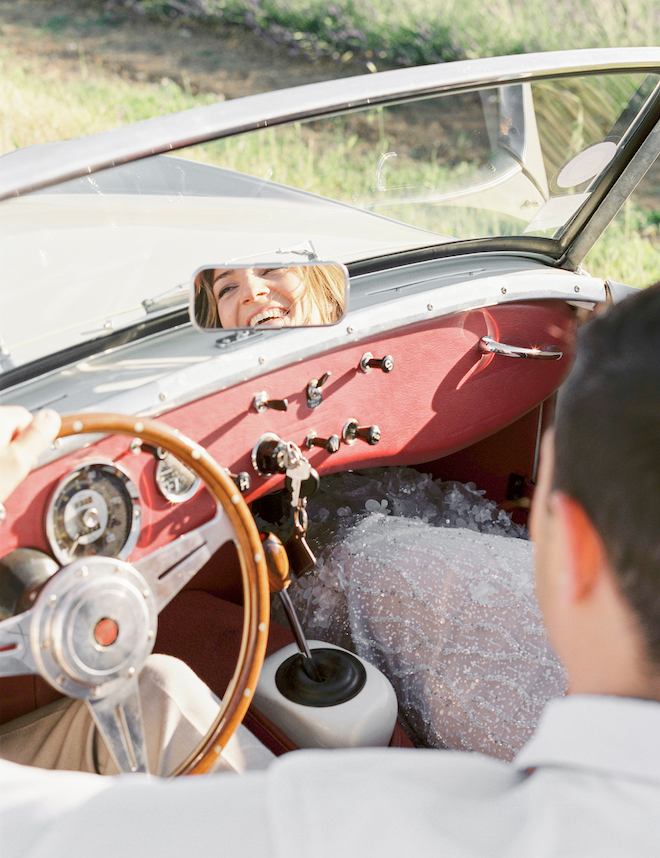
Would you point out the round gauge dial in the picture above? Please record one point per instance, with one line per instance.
(94, 510)
(175, 481)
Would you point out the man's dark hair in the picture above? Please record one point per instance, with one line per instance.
(607, 447)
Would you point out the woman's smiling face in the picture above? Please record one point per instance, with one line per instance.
(271, 297)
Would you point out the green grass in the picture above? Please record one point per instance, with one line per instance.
(57, 23)
(629, 249)
(388, 32)
(35, 108)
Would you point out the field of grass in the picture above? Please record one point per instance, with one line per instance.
(388, 32)
(35, 108)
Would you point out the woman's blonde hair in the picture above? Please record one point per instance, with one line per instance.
(324, 295)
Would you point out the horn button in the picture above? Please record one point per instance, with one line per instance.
(94, 627)
(106, 631)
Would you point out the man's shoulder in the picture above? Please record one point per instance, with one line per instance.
(385, 801)
(417, 767)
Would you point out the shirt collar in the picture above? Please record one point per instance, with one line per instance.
(611, 735)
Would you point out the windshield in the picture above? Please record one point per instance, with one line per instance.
(107, 252)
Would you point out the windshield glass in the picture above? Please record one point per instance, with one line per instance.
(112, 250)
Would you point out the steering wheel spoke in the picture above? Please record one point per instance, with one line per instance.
(119, 720)
(15, 653)
(169, 568)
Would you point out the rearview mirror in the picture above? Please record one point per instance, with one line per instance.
(269, 296)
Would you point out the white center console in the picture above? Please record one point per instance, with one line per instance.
(348, 704)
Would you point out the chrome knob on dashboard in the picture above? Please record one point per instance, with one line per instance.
(353, 432)
(261, 402)
(242, 481)
(330, 445)
(368, 362)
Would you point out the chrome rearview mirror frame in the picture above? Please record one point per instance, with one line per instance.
(268, 295)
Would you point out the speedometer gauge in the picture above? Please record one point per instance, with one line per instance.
(94, 510)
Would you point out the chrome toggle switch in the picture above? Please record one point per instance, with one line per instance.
(330, 445)
(353, 432)
(369, 362)
(314, 393)
(261, 402)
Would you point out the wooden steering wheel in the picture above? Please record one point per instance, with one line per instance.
(94, 622)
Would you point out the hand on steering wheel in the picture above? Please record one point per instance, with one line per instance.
(93, 623)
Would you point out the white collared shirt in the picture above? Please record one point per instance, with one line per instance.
(587, 784)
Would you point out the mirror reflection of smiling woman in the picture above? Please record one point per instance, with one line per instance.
(271, 297)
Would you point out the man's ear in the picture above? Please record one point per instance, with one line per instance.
(584, 551)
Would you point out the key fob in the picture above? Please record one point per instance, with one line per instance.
(301, 557)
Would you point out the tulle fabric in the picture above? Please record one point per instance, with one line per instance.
(434, 585)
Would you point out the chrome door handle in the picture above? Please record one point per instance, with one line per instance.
(487, 345)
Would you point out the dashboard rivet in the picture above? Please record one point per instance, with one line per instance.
(162, 396)
(150, 634)
(258, 557)
(130, 671)
(503, 290)
(262, 359)
(262, 627)
(235, 499)
(52, 599)
(145, 593)
(349, 330)
(247, 692)
(577, 288)
(217, 750)
(429, 307)
(77, 426)
(196, 454)
(139, 427)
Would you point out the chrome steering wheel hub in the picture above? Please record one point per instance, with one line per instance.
(94, 624)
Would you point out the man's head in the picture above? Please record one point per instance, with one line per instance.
(597, 515)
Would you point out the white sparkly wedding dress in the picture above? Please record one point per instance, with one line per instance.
(434, 585)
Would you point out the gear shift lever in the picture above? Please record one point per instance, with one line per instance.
(279, 578)
(329, 676)
(323, 697)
